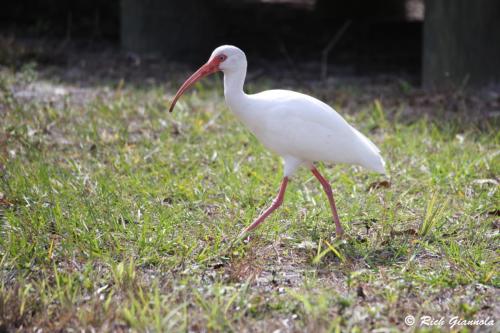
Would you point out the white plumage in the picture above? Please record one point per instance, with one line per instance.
(298, 127)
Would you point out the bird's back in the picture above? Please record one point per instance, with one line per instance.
(298, 125)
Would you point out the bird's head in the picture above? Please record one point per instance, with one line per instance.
(226, 58)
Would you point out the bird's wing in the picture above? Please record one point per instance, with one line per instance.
(311, 129)
(309, 109)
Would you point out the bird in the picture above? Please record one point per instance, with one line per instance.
(301, 129)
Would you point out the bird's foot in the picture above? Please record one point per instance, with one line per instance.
(243, 233)
(339, 232)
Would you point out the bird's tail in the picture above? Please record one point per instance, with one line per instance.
(377, 164)
(372, 159)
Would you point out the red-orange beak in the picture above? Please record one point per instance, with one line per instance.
(210, 67)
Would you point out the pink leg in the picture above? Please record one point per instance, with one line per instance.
(329, 194)
(276, 203)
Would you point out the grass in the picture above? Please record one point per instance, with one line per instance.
(117, 215)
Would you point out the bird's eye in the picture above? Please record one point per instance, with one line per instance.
(222, 57)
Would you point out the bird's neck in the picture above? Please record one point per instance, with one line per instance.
(233, 88)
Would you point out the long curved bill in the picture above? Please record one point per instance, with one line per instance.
(207, 69)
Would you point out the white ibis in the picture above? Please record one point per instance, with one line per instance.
(298, 127)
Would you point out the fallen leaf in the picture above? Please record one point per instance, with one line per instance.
(308, 245)
(167, 201)
(4, 202)
(485, 181)
(495, 212)
(411, 232)
(377, 185)
(217, 265)
(361, 239)
(360, 292)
